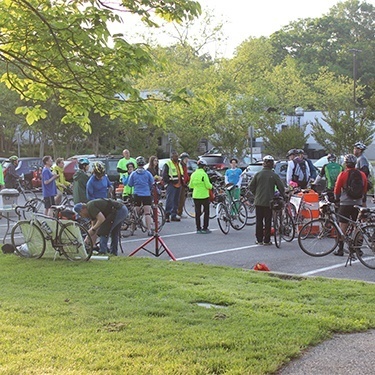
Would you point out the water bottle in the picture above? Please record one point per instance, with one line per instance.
(46, 227)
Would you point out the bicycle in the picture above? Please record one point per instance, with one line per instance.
(68, 238)
(296, 213)
(247, 197)
(321, 236)
(230, 212)
(277, 206)
(29, 196)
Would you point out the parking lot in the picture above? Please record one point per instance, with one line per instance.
(238, 249)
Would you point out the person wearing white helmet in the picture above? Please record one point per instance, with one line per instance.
(263, 186)
(351, 185)
(298, 171)
(363, 165)
(201, 185)
(11, 177)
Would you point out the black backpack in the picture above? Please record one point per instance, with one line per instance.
(354, 186)
(296, 176)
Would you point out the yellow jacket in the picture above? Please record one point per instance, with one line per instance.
(61, 183)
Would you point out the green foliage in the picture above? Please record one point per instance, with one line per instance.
(64, 49)
(344, 131)
(141, 316)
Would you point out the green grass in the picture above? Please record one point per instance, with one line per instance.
(140, 316)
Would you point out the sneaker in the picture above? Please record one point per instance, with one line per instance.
(258, 243)
(339, 253)
(150, 233)
(199, 231)
(206, 231)
(175, 218)
(267, 243)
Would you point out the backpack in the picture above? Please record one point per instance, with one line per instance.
(296, 177)
(354, 186)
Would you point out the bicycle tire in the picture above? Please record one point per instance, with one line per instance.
(28, 240)
(28, 195)
(76, 243)
(277, 227)
(189, 206)
(160, 218)
(238, 214)
(318, 238)
(251, 214)
(364, 244)
(304, 216)
(288, 229)
(37, 204)
(222, 217)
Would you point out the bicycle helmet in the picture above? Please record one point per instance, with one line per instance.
(83, 161)
(98, 169)
(13, 158)
(360, 145)
(202, 163)
(331, 158)
(292, 151)
(268, 158)
(300, 151)
(140, 161)
(184, 155)
(350, 159)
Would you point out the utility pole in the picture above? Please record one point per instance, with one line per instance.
(354, 52)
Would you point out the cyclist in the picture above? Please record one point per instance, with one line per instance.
(330, 171)
(201, 185)
(61, 182)
(313, 171)
(80, 179)
(298, 171)
(128, 191)
(122, 163)
(11, 177)
(347, 203)
(98, 185)
(142, 181)
(106, 217)
(233, 176)
(184, 158)
(263, 186)
(172, 176)
(362, 164)
(48, 185)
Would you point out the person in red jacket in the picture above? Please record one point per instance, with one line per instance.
(347, 203)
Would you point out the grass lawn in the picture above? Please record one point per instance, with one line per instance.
(141, 316)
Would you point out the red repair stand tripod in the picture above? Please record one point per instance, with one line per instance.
(159, 243)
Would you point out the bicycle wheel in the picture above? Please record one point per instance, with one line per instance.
(28, 240)
(318, 238)
(304, 216)
(76, 243)
(288, 231)
(277, 227)
(189, 206)
(28, 195)
(160, 212)
(213, 210)
(250, 213)
(238, 214)
(223, 218)
(364, 244)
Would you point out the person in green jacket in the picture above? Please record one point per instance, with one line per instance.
(201, 185)
(80, 179)
(263, 187)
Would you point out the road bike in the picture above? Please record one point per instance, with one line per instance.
(67, 238)
(321, 236)
(230, 212)
(277, 207)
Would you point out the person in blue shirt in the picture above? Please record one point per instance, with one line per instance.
(49, 188)
(98, 185)
(233, 177)
(142, 181)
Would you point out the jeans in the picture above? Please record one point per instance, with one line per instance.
(121, 215)
(198, 204)
(173, 197)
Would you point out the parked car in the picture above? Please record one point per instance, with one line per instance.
(320, 163)
(216, 161)
(250, 171)
(26, 167)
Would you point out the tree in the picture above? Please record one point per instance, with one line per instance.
(63, 49)
(343, 131)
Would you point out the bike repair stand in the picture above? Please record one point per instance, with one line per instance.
(159, 243)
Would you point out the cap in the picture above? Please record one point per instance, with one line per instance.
(77, 208)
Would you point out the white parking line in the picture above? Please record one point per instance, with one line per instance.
(313, 272)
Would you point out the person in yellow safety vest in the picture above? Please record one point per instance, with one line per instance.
(122, 163)
(172, 176)
(128, 191)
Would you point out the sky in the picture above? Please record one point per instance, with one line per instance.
(245, 18)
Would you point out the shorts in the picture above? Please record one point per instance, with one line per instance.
(142, 201)
(349, 212)
(48, 202)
